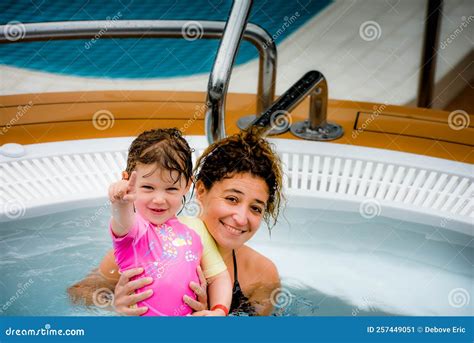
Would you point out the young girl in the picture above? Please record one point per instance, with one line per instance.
(146, 232)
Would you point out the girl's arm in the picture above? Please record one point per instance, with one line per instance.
(122, 194)
(219, 291)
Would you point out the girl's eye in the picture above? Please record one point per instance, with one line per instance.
(147, 187)
(172, 189)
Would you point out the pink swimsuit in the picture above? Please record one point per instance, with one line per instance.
(170, 254)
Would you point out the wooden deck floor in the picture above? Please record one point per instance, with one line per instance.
(46, 117)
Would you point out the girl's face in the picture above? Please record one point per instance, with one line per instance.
(233, 208)
(159, 193)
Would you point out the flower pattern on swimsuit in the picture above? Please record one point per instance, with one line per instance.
(168, 236)
(183, 240)
(189, 256)
(151, 247)
(155, 269)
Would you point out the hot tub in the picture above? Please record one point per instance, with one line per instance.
(364, 231)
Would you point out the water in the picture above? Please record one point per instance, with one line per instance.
(343, 264)
(141, 58)
(331, 263)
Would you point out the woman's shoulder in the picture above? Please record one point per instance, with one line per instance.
(193, 223)
(258, 265)
(261, 279)
(197, 226)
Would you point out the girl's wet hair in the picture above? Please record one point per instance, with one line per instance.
(164, 147)
(245, 152)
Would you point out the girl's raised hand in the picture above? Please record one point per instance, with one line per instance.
(124, 191)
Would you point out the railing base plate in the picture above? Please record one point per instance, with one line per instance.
(326, 132)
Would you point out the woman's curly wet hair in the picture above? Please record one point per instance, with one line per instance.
(164, 147)
(245, 152)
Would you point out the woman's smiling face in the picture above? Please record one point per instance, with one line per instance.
(233, 208)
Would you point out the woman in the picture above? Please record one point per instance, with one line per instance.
(238, 183)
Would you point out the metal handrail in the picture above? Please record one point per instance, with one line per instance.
(277, 119)
(293, 96)
(222, 69)
(252, 33)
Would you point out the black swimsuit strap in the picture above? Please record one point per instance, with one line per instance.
(235, 266)
(240, 303)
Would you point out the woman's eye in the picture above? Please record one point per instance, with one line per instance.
(231, 199)
(257, 209)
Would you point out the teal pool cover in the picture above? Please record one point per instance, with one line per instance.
(140, 58)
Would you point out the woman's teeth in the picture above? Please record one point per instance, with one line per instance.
(233, 230)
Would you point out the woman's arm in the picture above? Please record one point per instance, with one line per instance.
(264, 294)
(201, 293)
(106, 276)
(83, 292)
(259, 280)
(124, 296)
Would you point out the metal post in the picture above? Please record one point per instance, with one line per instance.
(428, 58)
